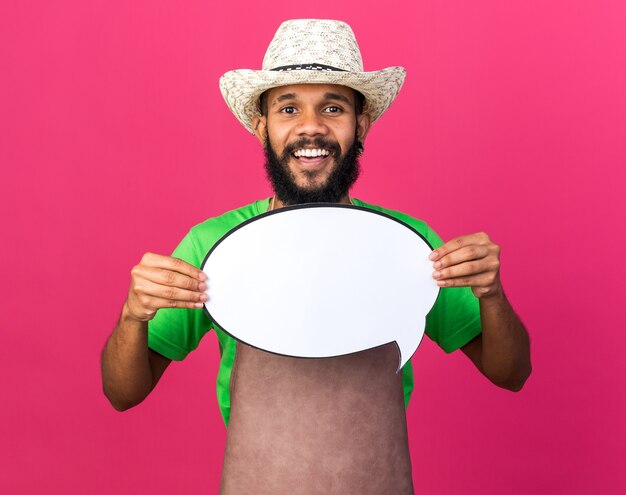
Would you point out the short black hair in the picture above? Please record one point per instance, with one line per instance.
(358, 107)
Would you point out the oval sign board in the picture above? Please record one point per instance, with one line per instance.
(321, 280)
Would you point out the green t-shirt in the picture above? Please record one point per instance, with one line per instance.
(453, 321)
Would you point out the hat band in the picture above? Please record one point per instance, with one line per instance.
(307, 67)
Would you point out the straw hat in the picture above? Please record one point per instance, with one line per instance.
(306, 51)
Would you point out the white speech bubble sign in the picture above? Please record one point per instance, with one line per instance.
(321, 280)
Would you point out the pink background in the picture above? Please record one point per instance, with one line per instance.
(114, 140)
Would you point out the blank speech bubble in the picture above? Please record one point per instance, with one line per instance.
(321, 280)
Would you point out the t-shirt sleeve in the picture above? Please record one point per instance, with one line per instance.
(174, 332)
(454, 319)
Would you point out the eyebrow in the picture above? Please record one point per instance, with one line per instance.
(335, 96)
(327, 96)
(283, 97)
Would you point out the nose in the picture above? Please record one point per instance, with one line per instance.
(311, 123)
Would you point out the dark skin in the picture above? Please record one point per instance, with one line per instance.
(130, 370)
(502, 351)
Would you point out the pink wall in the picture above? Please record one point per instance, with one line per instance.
(114, 140)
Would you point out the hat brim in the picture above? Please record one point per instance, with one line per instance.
(242, 88)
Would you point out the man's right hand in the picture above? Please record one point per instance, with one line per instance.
(164, 282)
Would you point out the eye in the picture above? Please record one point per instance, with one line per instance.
(333, 109)
(288, 110)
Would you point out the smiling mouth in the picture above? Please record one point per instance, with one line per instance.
(311, 157)
(311, 153)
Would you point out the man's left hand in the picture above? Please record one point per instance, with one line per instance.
(469, 261)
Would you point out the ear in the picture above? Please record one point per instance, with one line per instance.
(259, 124)
(362, 125)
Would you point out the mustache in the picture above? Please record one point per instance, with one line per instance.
(318, 142)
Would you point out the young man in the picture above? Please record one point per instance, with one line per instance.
(333, 425)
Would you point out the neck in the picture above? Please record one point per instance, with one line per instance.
(276, 203)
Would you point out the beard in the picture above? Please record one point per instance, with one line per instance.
(337, 185)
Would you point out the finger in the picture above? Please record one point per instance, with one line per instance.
(151, 289)
(149, 305)
(481, 280)
(458, 243)
(467, 253)
(469, 268)
(167, 277)
(172, 264)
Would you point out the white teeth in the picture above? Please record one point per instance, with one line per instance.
(311, 153)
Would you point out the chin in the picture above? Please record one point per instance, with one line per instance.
(309, 187)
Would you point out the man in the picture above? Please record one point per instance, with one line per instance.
(333, 425)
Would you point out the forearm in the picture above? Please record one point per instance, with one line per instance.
(505, 354)
(126, 372)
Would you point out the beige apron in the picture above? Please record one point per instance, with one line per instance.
(316, 426)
